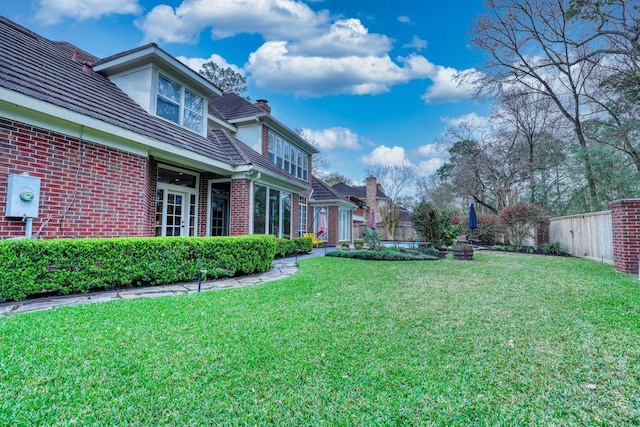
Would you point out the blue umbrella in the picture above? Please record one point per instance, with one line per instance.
(473, 221)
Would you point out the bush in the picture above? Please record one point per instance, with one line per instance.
(29, 267)
(441, 228)
(289, 247)
(488, 228)
(384, 255)
(521, 219)
(372, 240)
(554, 248)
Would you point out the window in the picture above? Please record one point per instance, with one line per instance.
(344, 225)
(192, 111)
(259, 209)
(274, 212)
(286, 215)
(179, 105)
(288, 157)
(302, 221)
(168, 105)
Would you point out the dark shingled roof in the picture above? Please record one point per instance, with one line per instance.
(322, 191)
(358, 191)
(240, 154)
(231, 106)
(44, 69)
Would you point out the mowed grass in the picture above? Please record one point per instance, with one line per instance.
(503, 340)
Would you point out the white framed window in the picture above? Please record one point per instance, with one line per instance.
(288, 157)
(344, 225)
(271, 211)
(179, 105)
(302, 216)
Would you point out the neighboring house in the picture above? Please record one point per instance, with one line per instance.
(371, 198)
(138, 144)
(338, 211)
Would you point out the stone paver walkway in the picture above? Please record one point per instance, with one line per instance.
(281, 268)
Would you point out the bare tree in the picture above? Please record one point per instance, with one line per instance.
(394, 179)
(532, 118)
(534, 44)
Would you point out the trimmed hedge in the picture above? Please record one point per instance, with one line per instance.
(63, 266)
(299, 245)
(386, 255)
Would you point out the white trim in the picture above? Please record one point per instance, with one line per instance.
(180, 189)
(208, 204)
(43, 114)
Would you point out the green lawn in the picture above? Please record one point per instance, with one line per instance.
(503, 340)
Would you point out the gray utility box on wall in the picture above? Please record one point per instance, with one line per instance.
(23, 196)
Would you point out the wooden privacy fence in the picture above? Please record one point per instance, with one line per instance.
(586, 235)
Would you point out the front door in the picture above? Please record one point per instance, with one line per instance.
(172, 213)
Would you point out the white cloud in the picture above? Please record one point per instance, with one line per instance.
(273, 19)
(471, 119)
(332, 138)
(51, 12)
(273, 67)
(445, 88)
(428, 167)
(430, 150)
(346, 37)
(196, 63)
(404, 19)
(416, 43)
(384, 155)
(305, 52)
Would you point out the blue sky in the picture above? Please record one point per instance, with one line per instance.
(368, 81)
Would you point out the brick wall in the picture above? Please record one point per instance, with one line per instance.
(625, 220)
(240, 205)
(87, 190)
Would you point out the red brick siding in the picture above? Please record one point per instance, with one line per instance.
(625, 219)
(332, 223)
(87, 190)
(240, 207)
(295, 215)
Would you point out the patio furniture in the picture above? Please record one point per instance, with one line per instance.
(316, 243)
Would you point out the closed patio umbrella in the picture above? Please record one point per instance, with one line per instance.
(473, 221)
(372, 220)
(322, 224)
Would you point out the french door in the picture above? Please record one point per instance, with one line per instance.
(175, 213)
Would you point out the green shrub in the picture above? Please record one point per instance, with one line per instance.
(555, 248)
(372, 240)
(29, 266)
(299, 245)
(383, 255)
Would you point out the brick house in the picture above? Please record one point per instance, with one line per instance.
(338, 210)
(371, 198)
(138, 144)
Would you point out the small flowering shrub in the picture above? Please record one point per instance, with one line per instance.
(521, 219)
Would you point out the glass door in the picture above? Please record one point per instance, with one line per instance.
(219, 221)
(172, 213)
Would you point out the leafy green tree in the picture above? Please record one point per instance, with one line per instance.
(335, 178)
(228, 80)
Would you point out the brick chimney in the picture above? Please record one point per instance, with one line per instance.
(263, 104)
(372, 194)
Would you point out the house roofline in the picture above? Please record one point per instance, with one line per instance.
(151, 53)
(28, 109)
